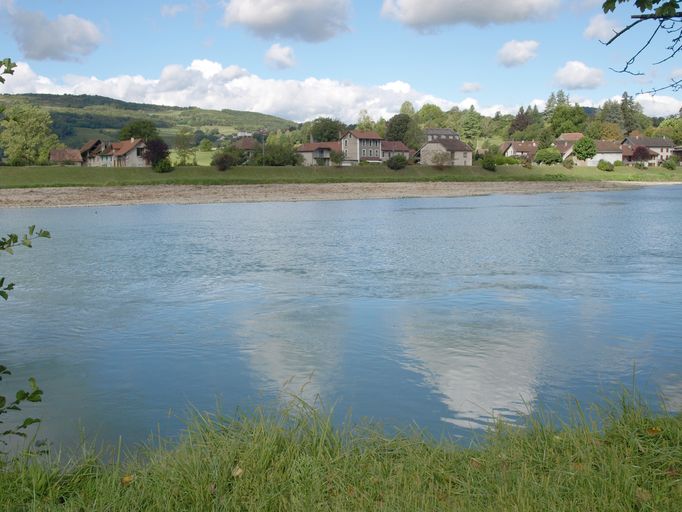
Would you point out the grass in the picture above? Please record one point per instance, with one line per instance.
(621, 459)
(23, 177)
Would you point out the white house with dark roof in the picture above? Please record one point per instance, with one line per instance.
(127, 153)
(660, 148)
(360, 146)
(318, 153)
(460, 153)
(520, 149)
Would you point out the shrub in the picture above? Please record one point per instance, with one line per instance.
(441, 159)
(163, 165)
(670, 163)
(640, 166)
(618, 163)
(397, 162)
(603, 165)
(528, 163)
(223, 160)
(568, 163)
(548, 156)
(488, 163)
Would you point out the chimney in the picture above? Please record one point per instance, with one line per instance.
(132, 139)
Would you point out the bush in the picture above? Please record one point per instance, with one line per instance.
(603, 165)
(223, 160)
(618, 163)
(488, 163)
(528, 163)
(670, 163)
(548, 156)
(568, 163)
(441, 160)
(397, 162)
(163, 165)
(639, 165)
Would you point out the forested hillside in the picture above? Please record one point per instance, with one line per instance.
(79, 118)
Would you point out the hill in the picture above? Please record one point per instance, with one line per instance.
(79, 118)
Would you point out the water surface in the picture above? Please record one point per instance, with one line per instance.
(443, 312)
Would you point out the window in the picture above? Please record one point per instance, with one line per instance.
(345, 143)
(364, 152)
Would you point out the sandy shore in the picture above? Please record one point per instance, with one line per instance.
(196, 194)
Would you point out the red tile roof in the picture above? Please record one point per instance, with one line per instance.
(66, 155)
(89, 145)
(608, 146)
(125, 147)
(314, 146)
(394, 145)
(571, 136)
(364, 135)
(246, 144)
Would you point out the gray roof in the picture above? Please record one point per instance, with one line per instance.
(452, 144)
(650, 142)
(440, 131)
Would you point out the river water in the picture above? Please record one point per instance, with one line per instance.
(440, 312)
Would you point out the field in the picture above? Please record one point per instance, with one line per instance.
(27, 177)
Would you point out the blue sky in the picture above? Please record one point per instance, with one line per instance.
(305, 58)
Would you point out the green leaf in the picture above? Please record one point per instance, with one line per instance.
(31, 229)
(4, 295)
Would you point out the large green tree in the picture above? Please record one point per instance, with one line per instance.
(326, 129)
(397, 126)
(185, 151)
(568, 119)
(26, 136)
(585, 148)
(139, 129)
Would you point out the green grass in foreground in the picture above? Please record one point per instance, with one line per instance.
(297, 461)
(23, 177)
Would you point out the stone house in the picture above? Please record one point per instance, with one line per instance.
(459, 152)
(360, 146)
(660, 148)
(390, 148)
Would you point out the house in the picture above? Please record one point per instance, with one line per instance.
(66, 156)
(607, 150)
(433, 134)
(248, 145)
(520, 149)
(128, 153)
(565, 147)
(660, 148)
(390, 148)
(318, 153)
(360, 146)
(460, 153)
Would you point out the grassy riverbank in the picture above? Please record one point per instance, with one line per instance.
(298, 461)
(29, 177)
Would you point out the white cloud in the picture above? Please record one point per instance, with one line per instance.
(577, 75)
(309, 20)
(64, 38)
(172, 10)
(208, 84)
(658, 105)
(602, 28)
(422, 15)
(280, 57)
(470, 87)
(676, 74)
(516, 53)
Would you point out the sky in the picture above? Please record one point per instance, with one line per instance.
(301, 59)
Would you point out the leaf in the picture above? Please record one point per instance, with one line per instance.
(28, 422)
(31, 229)
(4, 295)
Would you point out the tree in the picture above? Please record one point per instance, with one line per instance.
(671, 128)
(441, 160)
(326, 129)
(223, 160)
(585, 149)
(470, 126)
(185, 151)
(156, 152)
(601, 130)
(6, 68)
(666, 18)
(632, 113)
(611, 112)
(567, 119)
(430, 115)
(641, 154)
(26, 137)
(396, 162)
(407, 108)
(336, 157)
(205, 145)
(397, 127)
(520, 122)
(365, 122)
(139, 129)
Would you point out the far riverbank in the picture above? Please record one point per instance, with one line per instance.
(207, 194)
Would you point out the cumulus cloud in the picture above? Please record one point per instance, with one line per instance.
(280, 57)
(172, 10)
(516, 53)
(64, 38)
(422, 15)
(602, 28)
(309, 20)
(468, 87)
(577, 75)
(658, 105)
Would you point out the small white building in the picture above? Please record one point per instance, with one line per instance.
(607, 150)
(318, 153)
